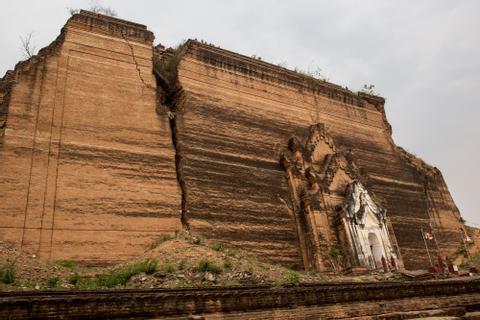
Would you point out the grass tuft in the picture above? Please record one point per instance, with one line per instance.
(334, 252)
(231, 253)
(208, 266)
(217, 246)
(74, 279)
(182, 265)
(121, 277)
(67, 264)
(7, 272)
(227, 264)
(52, 282)
(293, 277)
(168, 267)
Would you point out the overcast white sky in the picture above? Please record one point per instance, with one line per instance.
(422, 55)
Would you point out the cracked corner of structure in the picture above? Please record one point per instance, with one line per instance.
(170, 99)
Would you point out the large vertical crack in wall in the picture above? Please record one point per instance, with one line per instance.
(179, 169)
(168, 100)
(170, 97)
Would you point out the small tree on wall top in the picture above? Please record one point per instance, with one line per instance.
(368, 89)
(96, 7)
(28, 47)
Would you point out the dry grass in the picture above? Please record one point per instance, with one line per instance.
(172, 262)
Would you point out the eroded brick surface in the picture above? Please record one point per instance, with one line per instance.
(235, 122)
(97, 160)
(87, 165)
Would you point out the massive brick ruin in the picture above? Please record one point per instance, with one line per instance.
(88, 167)
(107, 143)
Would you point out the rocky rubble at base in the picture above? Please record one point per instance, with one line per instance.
(170, 262)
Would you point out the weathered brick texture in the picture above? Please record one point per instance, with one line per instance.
(234, 124)
(87, 166)
(91, 171)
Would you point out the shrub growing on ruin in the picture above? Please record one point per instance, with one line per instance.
(166, 67)
(231, 253)
(96, 7)
(121, 277)
(217, 246)
(7, 272)
(149, 266)
(293, 277)
(461, 251)
(227, 264)
(52, 282)
(168, 267)
(28, 47)
(182, 265)
(208, 266)
(368, 89)
(113, 280)
(334, 252)
(74, 279)
(67, 264)
(315, 74)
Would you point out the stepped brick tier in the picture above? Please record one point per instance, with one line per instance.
(433, 299)
(108, 143)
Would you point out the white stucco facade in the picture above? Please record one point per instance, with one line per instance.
(367, 231)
